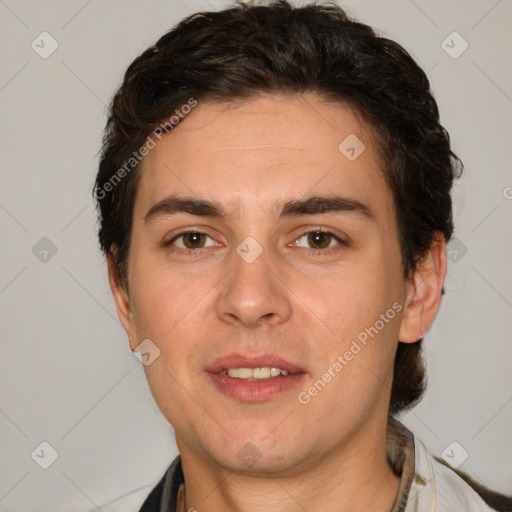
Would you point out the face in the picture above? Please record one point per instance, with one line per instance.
(293, 264)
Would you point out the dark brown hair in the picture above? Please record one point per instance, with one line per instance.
(249, 49)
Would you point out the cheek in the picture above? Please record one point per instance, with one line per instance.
(174, 310)
(162, 297)
(167, 309)
(359, 308)
(350, 298)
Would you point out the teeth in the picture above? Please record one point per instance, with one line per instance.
(263, 373)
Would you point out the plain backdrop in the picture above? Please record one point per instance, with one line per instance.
(68, 377)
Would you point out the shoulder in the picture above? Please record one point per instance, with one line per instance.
(493, 499)
(437, 486)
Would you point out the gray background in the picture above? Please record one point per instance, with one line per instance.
(68, 377)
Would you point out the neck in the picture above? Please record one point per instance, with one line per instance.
(352, 479)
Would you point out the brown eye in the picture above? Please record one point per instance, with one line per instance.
(319, 239)
(193, 240)
(189, 241)
(320, 242)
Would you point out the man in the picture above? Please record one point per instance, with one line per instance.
(274, 200)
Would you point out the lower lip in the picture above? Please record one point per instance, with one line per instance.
(255, 391)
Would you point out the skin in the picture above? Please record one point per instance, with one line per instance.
(294, 300)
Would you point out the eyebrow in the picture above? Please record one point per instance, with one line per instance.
(314, 205)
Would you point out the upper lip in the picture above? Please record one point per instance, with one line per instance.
(240, 361)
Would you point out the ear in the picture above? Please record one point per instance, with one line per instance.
(424, 292)
(121, 297)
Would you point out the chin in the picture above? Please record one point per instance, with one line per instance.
(255, 453)
(249, 460)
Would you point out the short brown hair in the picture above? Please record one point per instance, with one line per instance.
(249, 49)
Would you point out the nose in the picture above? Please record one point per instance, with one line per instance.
(254, 292)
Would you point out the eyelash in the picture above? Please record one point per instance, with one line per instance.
(201, 250)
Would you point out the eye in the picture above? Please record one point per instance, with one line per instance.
(190, 240)
(319, 239)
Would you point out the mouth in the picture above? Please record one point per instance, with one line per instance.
(254, 379)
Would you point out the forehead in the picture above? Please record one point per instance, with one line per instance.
(253, 154)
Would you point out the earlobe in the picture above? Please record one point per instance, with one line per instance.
(424, 292)
(121, 297)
